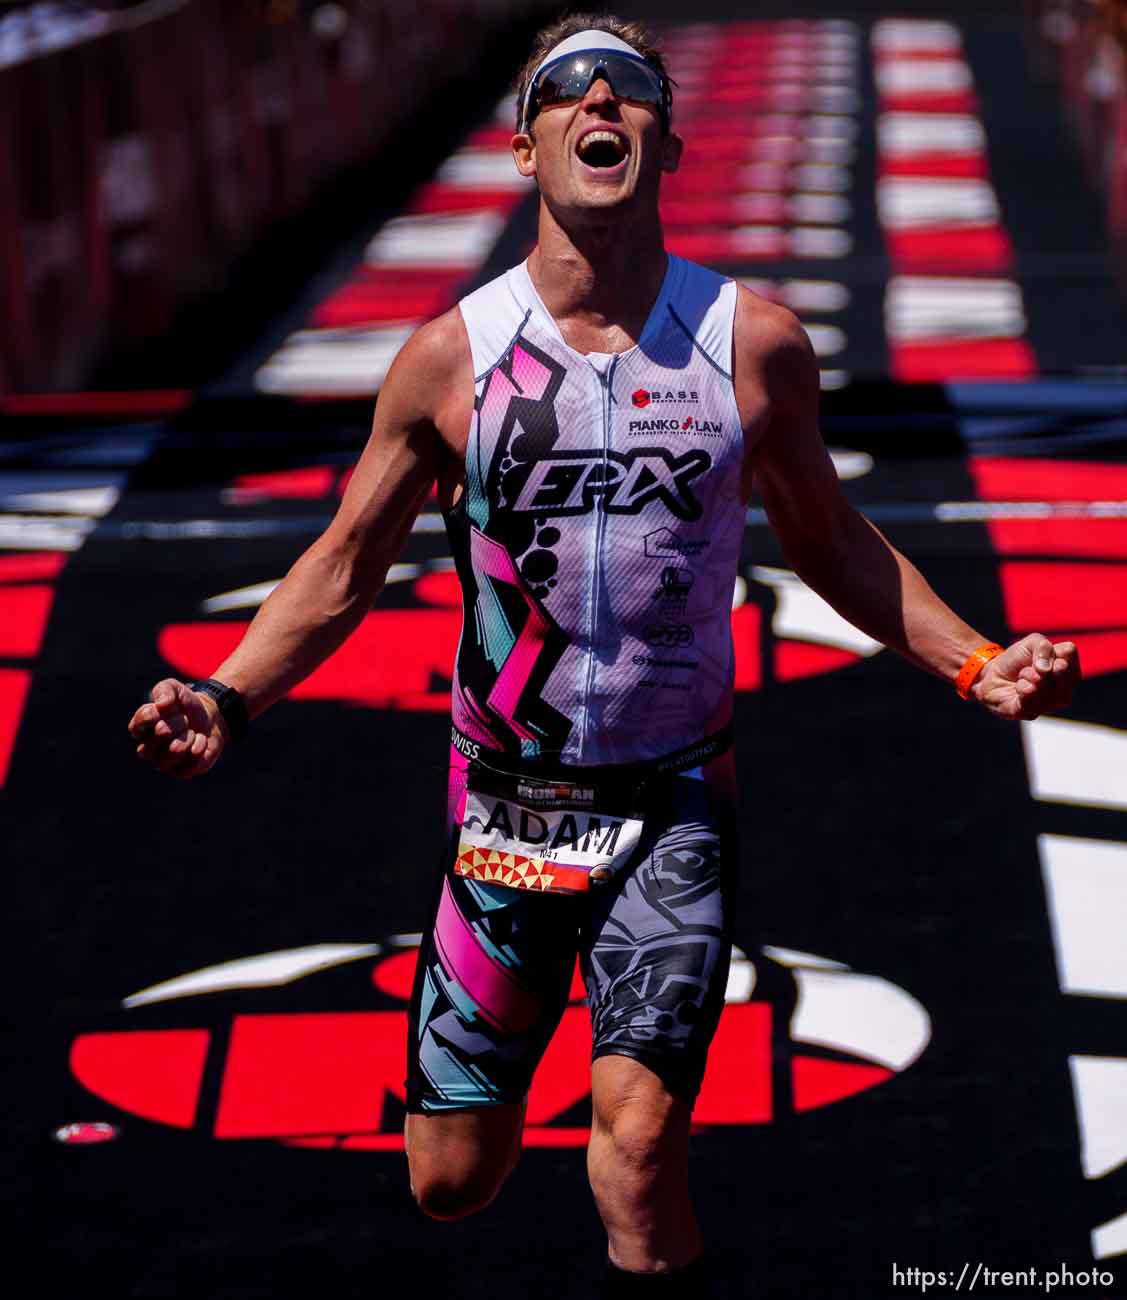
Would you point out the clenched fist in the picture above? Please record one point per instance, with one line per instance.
(181, 732)
(1030, 677)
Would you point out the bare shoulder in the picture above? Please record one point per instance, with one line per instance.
(431, 378)
(771, 343)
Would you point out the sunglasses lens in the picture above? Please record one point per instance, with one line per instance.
(569, 80)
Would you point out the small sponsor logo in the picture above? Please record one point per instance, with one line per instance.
(572, 794)
(643, 397)
(668, 634)
(466, 747)
(690, 424)
(648, 661)
(673, 593)
(663, 543)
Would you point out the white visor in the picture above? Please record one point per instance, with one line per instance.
(591, 39)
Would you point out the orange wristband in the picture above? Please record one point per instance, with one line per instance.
(976, 662)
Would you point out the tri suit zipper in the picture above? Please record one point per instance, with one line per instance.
(600, 524)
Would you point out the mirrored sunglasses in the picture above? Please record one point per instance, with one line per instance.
(568, 80)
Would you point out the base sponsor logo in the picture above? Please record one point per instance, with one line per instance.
(643, 397)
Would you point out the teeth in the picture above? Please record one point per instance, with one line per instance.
(602, 137)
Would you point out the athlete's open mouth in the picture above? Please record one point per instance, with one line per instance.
(601, 149)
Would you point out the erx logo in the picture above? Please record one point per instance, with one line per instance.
(568, 482)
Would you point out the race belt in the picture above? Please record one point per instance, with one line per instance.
(564, 834)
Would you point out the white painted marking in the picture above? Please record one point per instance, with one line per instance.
(830, 209)
(1100, 1086)
(831, 379)
(829, 126)
(862, 1014)
(264, 971)
(802, 614)
(827, 340)
(946, 307)
(1110, 1238)
(478, 169)
(351, 361)
(1076, 762)
(815, 295)
(795, 957)
(892, 34)
(1086, 885)
(741, 978)
(912, 202)
(39, 532)
(910, 76)
(907, 135)
(72, 501)
(460, 239)
(820, 242)
(851, 464)
(822, 178)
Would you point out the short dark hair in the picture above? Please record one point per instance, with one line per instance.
(633, 33)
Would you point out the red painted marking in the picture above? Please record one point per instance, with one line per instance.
(1064, 594)
(556, 1137)
(14, 686)
(440, 589)
(924, 362)
(818, 1083)
(947, 166)
(366, 304)
(794, 659)
(314, 1142)
(1095, 537)
(964, 248)
(737, 1082)
(395, 975)
(578, 990)
(734, 211)
(563, 1077)
(152, 1073)
(745, 636)
(23, 619)
(289, 1075)
(373, 1142)
(142, 402)
(438, 197)
(397, 659)
(999, 479)
(718, 245)
(308, 483)
(955, 101)
(22, 568)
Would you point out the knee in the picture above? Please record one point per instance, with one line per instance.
(631, 1153)
(451, 1183)
(445, 1196)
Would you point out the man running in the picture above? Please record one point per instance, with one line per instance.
(594, 420)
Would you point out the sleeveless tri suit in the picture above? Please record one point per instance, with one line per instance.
(590, 813)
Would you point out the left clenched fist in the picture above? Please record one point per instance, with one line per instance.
(1030, 677)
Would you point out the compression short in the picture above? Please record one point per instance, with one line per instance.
(496, 963)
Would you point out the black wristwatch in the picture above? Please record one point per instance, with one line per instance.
(231, 705)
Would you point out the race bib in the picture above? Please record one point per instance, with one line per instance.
(531, 834)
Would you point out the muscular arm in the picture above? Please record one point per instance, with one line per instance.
(844, 557)
(330, 588)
